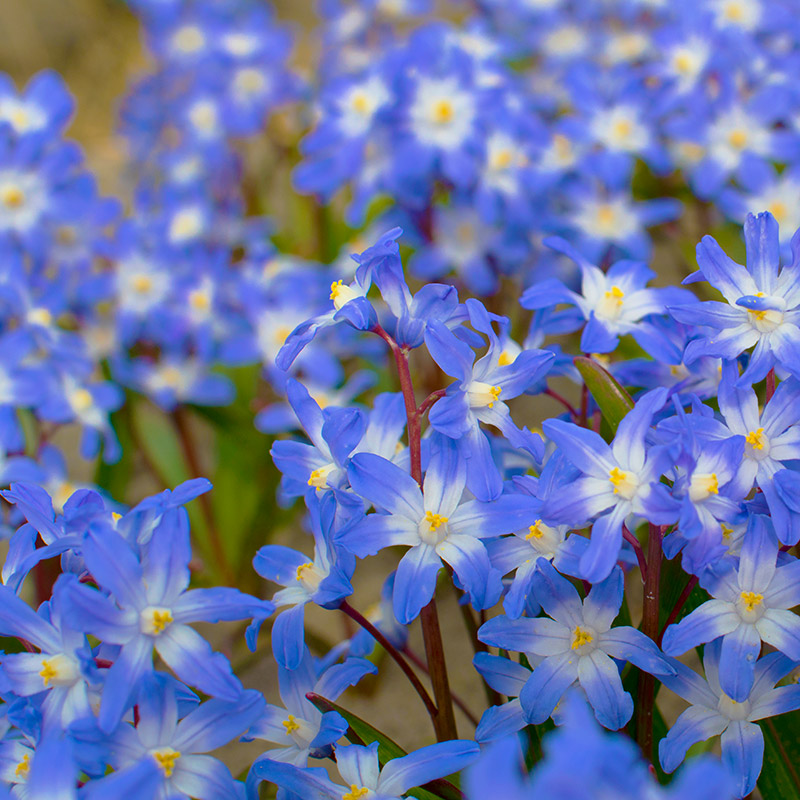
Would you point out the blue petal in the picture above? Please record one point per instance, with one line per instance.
(547, 685)
(711, 620)
(426, 764)
(501, 674)
(340, 676)
(599, 677)
(415, 582)
(386, 486)
(310, 784)
(216, 722)
(288, 637)
(695, 724)
(628, 644)
(500, 721)
(743, 754)
(453, 356)
(740, 650)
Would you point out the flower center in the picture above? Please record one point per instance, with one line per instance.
(166, 758)
(757, 444)
(611, 304)
(433, 528)
(751, 606)
(505, 359)
(341, 294)
(60, 670)
(581, 637)
(355, 792)
(309, 576)
(13, 197)
(733, 710)
(290, 723)
(738, 139)
(483, 395)
(703, 486)
(81, 400)
(23, 769)
(443, 112)
(154, 620)
(319, 477)
(625, 483)
(142, 284)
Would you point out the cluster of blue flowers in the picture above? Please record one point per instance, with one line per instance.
(636, 550)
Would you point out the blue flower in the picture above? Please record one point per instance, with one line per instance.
(762, 301)
(712, 712)
(299, 729)
(577, 644)
(750, 606)
(479, 396)
(619, 480)
(434, 522)
(150, 610)
(362, 772)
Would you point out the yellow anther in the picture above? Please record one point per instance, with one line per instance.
(734, 12)
(443, 112)
(562, 145)
(495, 392)
(535, 531)
(580, 637)
(13, 197)
(751, 600)
(360, 103)
(756, 439)
(605, 214)
(23, 768)
(504, 360)
(48, 672)
(682, 62)
(623, 128)
(502, 159)
(282, 334)
(199, 300)
(616, 294)
(738, 139)
(318, 478)
(290, 723)
(727, 531)
(434, 521)
(116, 516)
(142, 284)
(617, 477)
(355, 792)
(166, 758)
(711, 484)
(779, 211)
(161, 618)
(302, 569)
(336, 288)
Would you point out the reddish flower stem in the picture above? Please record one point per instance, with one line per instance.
(673, 615)
(770, 390)
(563, 400)
(361, 620)
(444, 722)
(637, 548)
(647, 684)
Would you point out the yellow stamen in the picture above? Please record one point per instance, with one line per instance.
(302, 569)
(623, 128)
(290, 723)
(355, 792)
(23, 768)
(161, 618)
(605, 214)
(617, 477)
(435, 521)
(166, 759)
(48, 672)
(534, 531)
(142, 284)
(443, 112)
(727, 531)
(751, 600)
(13, 197)
(360, 103)
(738, 139)
(756, 439)
(580, 637)
(616, 294)
(504, 360)
(336, 288)
(495, 392)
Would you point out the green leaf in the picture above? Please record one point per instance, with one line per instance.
(614, 402)
(780, 775)
(361, 732)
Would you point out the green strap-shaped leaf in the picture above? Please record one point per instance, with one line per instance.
(614, 402)
(361, 732)
(780, 775)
